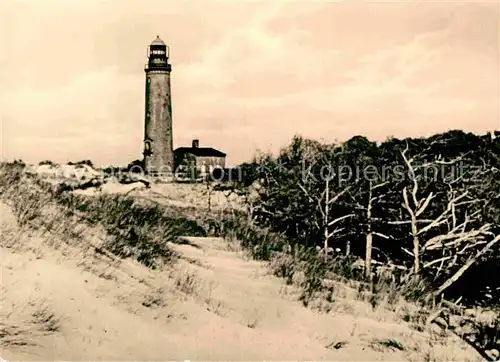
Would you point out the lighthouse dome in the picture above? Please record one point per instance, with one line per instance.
(157, 41)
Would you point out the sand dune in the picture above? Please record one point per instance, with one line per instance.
(65, 302)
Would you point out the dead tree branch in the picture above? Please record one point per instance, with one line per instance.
(459, 232)
(463, 269)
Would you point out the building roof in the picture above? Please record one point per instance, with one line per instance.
(200, 151)
(157, 41)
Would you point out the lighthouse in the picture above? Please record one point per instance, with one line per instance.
(158, 138)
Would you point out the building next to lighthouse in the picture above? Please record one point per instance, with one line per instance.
(203, 159)
(158, 136)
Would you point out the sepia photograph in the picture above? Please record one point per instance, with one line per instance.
(237, 180)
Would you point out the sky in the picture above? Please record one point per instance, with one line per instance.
(246, 75)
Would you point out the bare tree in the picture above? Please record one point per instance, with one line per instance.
(459, 236)
(370, 219)
(323, 203)
(208, 192)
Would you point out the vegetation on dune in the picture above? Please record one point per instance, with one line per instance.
(132, 229)
(136, 230)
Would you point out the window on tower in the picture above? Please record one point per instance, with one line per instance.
(147, 148)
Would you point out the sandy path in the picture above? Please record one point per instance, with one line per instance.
(284, 329)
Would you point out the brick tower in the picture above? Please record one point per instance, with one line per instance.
(158, 139)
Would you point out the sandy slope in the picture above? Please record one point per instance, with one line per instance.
(213, 306)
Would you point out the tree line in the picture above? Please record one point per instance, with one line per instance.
(430, 207)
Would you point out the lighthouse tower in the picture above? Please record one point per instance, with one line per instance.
(158, 140)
